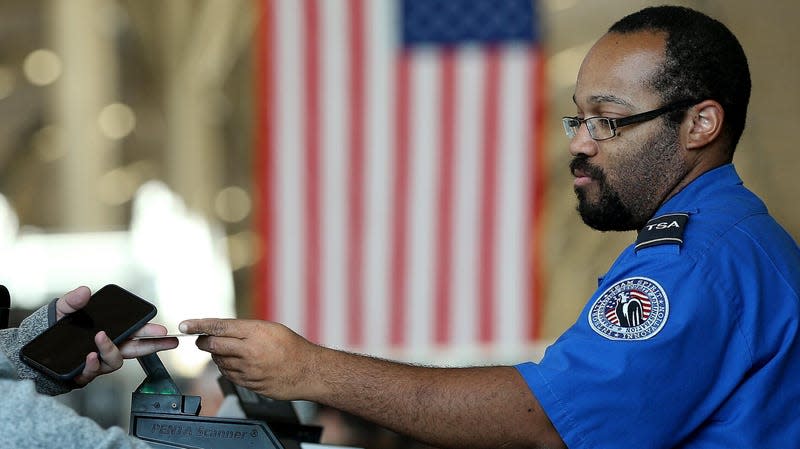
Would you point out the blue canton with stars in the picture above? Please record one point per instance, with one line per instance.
(451, 22)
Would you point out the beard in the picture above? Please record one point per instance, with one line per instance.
(636, 186)
(608, 213)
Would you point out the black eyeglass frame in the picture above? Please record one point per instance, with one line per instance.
(573, 123)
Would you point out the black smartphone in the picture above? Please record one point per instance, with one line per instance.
(60, 351)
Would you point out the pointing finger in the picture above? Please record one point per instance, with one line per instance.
(212, 326)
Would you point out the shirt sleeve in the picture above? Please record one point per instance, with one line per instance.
(652, 386)
(32, 420)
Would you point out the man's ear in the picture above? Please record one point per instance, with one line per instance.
(704, 123)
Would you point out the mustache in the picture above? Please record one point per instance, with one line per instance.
(580, 163)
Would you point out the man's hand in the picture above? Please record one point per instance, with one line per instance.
(263, 356)
(109, 357)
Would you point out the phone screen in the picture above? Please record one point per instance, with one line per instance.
(61, 350)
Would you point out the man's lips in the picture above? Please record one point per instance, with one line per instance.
(582, 181)
(581, 178)
(584, 172)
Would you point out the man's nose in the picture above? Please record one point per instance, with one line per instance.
(582, 143)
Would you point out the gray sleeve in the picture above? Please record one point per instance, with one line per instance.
(11, 340)
(31, 420)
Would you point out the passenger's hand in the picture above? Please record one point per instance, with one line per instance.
(109, 357)
(263, 356)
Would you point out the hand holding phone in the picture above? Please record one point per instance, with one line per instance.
(61, 350)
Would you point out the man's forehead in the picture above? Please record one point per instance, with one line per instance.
(619, 67)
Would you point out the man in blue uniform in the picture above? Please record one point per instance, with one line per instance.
(692, 339)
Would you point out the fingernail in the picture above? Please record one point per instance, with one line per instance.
(183, 327)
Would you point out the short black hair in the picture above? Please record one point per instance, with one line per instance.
(703, 60)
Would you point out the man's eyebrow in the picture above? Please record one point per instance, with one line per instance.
(600, 99)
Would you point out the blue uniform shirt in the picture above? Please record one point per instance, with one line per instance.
(686, 345)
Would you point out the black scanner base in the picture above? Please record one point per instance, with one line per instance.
(166, 419)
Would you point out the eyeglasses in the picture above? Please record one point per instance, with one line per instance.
(604, 128)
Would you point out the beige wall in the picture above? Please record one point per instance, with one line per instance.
(767, 157)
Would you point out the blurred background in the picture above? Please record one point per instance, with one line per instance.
(154, 144)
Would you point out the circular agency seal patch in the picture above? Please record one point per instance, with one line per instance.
(631, 309)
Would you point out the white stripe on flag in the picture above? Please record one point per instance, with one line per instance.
(469, 114)
(288, 244)
(422, 192)
(514, 173)
(380, 47)
(334, 172)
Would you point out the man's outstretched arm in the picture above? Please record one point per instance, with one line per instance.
(448, 407)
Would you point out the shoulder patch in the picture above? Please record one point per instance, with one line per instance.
(632, 309)
(666, 229)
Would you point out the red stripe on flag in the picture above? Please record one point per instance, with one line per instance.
(444, 219)
(263, 303)
(400, 194)
(313, 206)
(488, 205)
(537, 181)
(355, 234)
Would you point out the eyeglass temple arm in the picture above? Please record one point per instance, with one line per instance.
(644, 116)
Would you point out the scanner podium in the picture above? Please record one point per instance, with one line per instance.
(166, 419)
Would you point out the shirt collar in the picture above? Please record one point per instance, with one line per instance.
(704, 185)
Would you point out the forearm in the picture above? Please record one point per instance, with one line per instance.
(447, 407)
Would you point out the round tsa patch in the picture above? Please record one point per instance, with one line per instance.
(631, 309)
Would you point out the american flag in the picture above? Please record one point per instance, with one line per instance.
(647, 306)
(399, 172)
